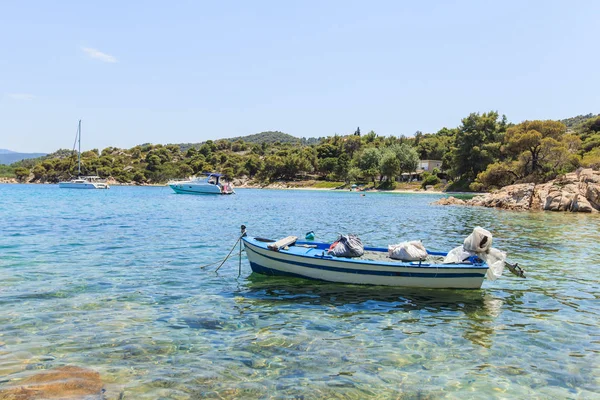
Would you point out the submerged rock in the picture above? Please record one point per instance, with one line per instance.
(576, 192)
(69, 382)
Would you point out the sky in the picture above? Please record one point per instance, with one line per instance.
(188, 71)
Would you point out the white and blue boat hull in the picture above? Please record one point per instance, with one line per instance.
(314, 263)
(186, 188)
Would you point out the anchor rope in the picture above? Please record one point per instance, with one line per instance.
(230, 251)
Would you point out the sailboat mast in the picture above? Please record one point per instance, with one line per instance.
(79, 151)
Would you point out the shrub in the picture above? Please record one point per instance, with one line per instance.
(429, 179)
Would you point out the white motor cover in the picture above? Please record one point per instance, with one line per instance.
(478, 241)
(408, 251)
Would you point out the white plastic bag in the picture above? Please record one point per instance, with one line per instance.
(408, 251)
(457, 255)
(478, 241)
(495, 260)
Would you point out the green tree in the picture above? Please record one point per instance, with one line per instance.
(327, 165)
(139, 177)
(351, 145)
(370, 137)
(389, 165)
(21, 173)
(253, 165)
(342, 167)
(369, 162)
(407, 156)
(39, 171)
(476, 145)
(534, 142)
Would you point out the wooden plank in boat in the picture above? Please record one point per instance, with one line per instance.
(282, 243)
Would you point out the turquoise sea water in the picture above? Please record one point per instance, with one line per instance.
(111, 280)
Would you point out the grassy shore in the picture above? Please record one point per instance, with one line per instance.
(399, 187)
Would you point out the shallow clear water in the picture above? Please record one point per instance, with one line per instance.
(111, 280)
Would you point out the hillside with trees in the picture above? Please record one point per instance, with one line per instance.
(484, 152)
(268, 137)
(572, 122)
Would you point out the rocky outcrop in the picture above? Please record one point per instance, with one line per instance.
(576, 192)
(513, 197)
(8, 180)
(447, 201)
(69, 382)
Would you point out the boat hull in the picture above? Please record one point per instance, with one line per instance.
(87, 185)
(315, 264)
(195, 189)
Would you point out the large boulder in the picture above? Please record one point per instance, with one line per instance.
(560, 198)
(577, 192)
(513, 197)
(592, 194)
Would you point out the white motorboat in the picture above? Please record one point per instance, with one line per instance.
(202, 184)
(83, 182)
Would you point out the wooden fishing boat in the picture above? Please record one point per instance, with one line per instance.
(310, 260)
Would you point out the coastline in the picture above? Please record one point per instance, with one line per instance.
(266, 187)
(272, 186)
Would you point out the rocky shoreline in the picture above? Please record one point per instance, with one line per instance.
(575, 192)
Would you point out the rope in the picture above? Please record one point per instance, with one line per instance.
(231, 251)
(225, 259)
(228, 255)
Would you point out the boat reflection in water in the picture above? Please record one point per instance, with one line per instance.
(469, 314)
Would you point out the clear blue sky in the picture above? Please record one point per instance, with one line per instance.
(188, 71)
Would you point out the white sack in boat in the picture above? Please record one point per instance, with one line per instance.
(408, 251)
(347, 246)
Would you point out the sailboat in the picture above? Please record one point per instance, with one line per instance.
(83, 182)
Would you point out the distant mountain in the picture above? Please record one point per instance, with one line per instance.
(8, 156)
(269, 137)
